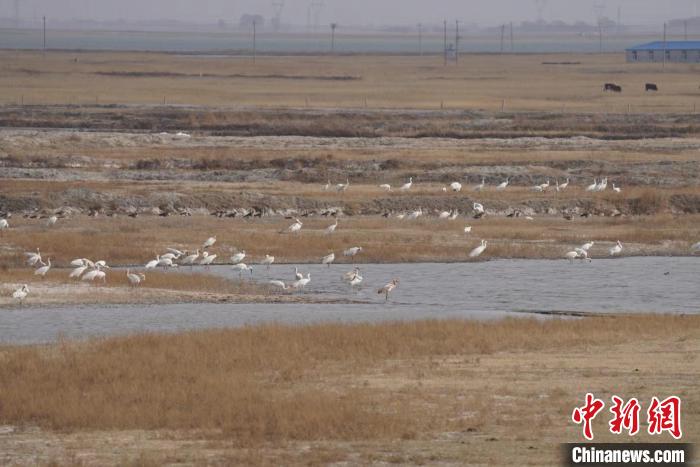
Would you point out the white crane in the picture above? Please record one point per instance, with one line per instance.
(33, 258)
(298, 275)
(343, 187)
(20, 294)
(209, 242)
(301, 283)
(327, 186)
(356, 279)
(267, 261)
(481, 185)
(478, 250)
(564, 185)
(4, 224)
(177, 254)
(280, 284)
(153, 263)
(328, 259)
(94, 274)
(593, 186)
(444, 215)
(240, 267)
(207, 259)
(587, 246)
(331, 228)
(190, 259)
(545, 185)
(51, 221)
(695, 248)
(479, 208)
(238, 257)
(295, 227)
(385, 187)
(43, 269)
(164, 262)
(134, 278)
(349, 275)
(78, 271)
(388, 288)
(407, 186)
(102, 264)
(456, 186)
(602, 185)
(352, 252)
(616, 189)
(503, 185)
(454, 215)
(416, 214)
(617, 249)
(468, 229)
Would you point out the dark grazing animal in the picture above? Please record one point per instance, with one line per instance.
(612, 87)
(651, 87)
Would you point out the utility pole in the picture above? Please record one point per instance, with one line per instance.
(663, 65)
(420, 39)
(685, 30)
(44, 33)
(600, 37)
(512, 42)
(255, 51)
(456, 42)
(444, 48)
(333, 26)
(503, 33)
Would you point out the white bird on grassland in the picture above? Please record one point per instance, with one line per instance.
(135, 279)
(454, 215)
(481, 185)
(44, 269)
(468, 229)
(33, 258)
(267, 261)
(328, 259)
(343, 187)
(331, 228)
(238, 257)
(617, 249)
(444, 215)
(298, 275)
(209, 242)
(94, 274)
(388, 288)
(295, 227)
(407, 186)
(478, 250)
(327, 186)
(352, 251)
(385, 187)
(77, 272)
(51, 221)
(20, 294)
(153, 263)
(564, 185)
(4, 224)
(616, 189)
(102, 263)
(587, 246)
(416, 214)
(695, 248)
(479, 208)
(503, 185)
(456, 186)
(593, 186)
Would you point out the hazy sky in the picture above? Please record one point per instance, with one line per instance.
(358, 12)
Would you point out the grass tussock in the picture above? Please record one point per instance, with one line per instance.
(265, 383)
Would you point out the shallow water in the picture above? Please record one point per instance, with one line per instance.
(492, 289)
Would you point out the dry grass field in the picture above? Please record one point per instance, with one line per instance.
(434, 392)
(478, 82)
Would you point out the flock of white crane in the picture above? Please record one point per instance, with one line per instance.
(86, 270)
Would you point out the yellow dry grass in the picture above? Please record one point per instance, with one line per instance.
(479, 81)
(420, 392)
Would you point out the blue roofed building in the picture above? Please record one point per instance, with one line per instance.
(674, 51)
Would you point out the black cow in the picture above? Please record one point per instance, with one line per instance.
(612, 87)
(651, 87)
